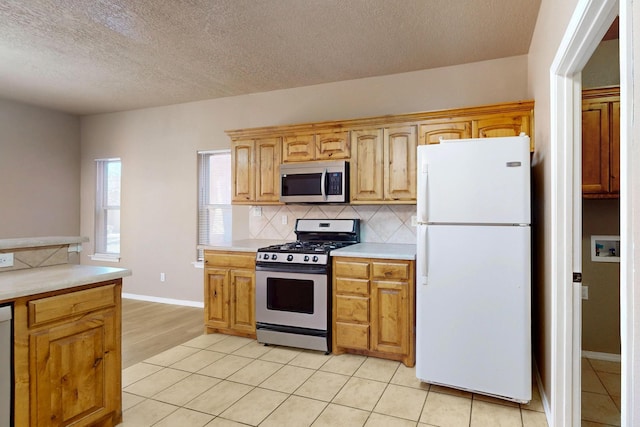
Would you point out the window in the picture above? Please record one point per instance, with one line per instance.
(214, 198)
(107, 221)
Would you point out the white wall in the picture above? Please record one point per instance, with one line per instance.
(39, 172)
(158, 149)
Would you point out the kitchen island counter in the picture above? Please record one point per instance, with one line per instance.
(377, 250)
(20, 283)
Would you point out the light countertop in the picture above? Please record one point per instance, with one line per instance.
(19, 283)
(35, 242)
(377, 250)
(246, 245)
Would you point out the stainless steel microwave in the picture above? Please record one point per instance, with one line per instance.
(314, 182)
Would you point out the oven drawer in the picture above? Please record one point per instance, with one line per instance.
(352, 309)
(351, 335)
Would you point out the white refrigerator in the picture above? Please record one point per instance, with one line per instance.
(473, 291)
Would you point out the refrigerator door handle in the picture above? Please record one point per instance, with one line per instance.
(423, 262)
(423, 192)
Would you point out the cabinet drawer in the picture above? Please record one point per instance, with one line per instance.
(229, 259)
(352, 286)
(352, 309)
(58, 307)
(350, 335)
(390, 270)
(358, 270)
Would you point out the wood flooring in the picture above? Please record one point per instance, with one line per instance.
(149, 328)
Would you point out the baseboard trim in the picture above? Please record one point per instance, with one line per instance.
(164, 300)
(609, 357)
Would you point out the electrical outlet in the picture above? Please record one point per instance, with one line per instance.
(257, 211)
(414, 221)
(162, 277)
(284, 219)
(585, 292)
(6, 260)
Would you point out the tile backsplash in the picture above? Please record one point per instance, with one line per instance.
(378, 223)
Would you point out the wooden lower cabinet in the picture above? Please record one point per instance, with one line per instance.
(229, 286)
(374, 308)
(68, 368)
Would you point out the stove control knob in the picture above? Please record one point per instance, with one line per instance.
(289, 257)
(314, 259)
(265, 256)
(274, 256)
(306, 258)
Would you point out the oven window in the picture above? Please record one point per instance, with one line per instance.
(303, 184)
(293, 295)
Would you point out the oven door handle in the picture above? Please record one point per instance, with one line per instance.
(286, 268)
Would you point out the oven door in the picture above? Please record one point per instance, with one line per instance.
(292, 299)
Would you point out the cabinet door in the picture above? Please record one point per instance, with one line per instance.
(76, 366)
(367, 169)
(614, 156)
(216, 288)
(298, 148)
(242, 171)
(500, 126)
(267, 154)
(332, 145)
(595, 147)
(400, 145)
(242, 300)
(390, 324)
(431, 133)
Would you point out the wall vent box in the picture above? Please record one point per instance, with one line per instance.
(605, 248)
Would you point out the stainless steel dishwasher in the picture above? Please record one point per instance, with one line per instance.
(5, 366)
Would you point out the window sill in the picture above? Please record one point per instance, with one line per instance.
(105, 257)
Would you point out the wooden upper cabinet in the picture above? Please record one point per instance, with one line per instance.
(614, 153)
(255, 169)
(268, 170)
(502, 125)
(400, 149)
(299, 148)
(333, 145)
(431, 133)
(601, 142)
(367, 168)
(381, 150)
(595, 147)
(242, 171)
(383, 164)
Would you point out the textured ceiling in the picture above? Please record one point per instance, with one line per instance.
(93, 56)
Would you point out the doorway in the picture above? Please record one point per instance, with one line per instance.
(600, 373)
(586, 29)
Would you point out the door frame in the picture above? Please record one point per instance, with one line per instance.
(590, 21)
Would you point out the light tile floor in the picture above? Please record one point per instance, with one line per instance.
(221, 380)
(600, 393)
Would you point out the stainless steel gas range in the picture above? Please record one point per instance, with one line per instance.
(293, 284)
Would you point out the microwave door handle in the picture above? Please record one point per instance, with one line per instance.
(323, 184)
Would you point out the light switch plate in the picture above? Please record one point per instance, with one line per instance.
(6, 260)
